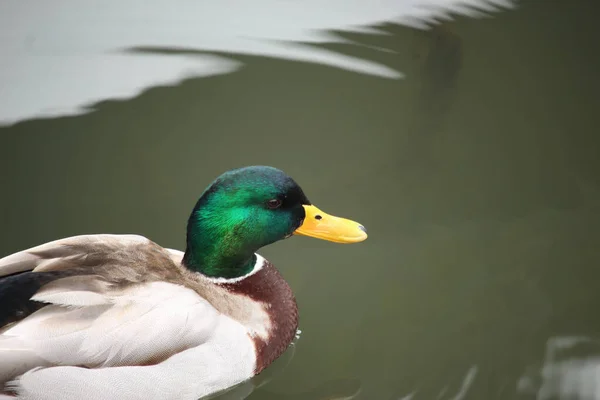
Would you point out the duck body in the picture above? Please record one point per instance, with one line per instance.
(105, 308)
(120, 317)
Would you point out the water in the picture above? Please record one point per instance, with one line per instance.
(476, 174)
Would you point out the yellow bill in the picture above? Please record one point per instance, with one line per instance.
(320, 225)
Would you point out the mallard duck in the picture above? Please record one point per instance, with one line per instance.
(119, 317)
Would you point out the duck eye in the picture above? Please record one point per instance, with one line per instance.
(274, 203)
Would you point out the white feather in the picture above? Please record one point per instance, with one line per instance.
(142, 323)
(17, 360)
(74, 298)
(17, 262)
(188, 375)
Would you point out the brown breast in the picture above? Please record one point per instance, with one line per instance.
(268, 287)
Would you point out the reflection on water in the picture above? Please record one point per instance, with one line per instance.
(337, 389)
(477, 176)
(439, 56)
(447, 392)
(570, 370)
(82, 44)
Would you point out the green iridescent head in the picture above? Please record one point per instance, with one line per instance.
(248, 208)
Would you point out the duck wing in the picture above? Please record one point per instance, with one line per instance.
(97, 301)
